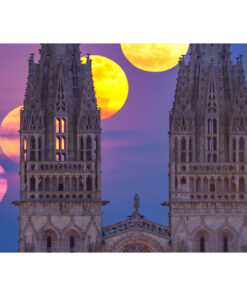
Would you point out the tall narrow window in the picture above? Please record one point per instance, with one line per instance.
(176, 149)
(25, 144)
(215, 126)
(48, 244)
(212, 185)
(190, 150)
(241, 184)
(58, 125)
(63, 126)
(214, 144)
(72, 244)
(89, 149)
(210, 144)
(32, 148)
(58, 143)
(32, 184)
(202, 244)
(81, 148)
(241, 150)
(60, 184)
(39, 149)
(225, 244)
(198, 184)
(89, 183)
(25, 149)
(183, 150)
(234, 150)
(63, 143)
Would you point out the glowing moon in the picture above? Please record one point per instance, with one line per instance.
(111, 85)
(3, 183)
(154, 57)
(9, 135)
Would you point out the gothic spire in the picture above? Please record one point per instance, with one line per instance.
(32, 118)
(89, 117)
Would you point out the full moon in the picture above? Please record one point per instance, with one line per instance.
(3, 183)
(9, 135)
(154, 57)
(110, 83)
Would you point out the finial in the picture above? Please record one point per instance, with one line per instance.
(136, 214)
(136, 203)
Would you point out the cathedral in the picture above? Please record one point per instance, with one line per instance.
(60, 160)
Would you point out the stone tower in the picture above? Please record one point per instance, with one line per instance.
(208, 160)
(60, 158)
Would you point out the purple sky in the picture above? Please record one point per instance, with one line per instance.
(134, 141)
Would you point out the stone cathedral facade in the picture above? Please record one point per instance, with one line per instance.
(208, 159)
(60, 165)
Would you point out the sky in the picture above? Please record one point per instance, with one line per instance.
(134, 141)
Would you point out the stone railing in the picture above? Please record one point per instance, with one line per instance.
(140, 224)
(202, 168)
(211, 196)
(59, 166)
(59, 195)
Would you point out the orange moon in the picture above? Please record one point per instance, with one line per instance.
(154, 57)
(110, 83)
(3, 183)
(9, 135)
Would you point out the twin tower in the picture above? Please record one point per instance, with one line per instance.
(60, 164)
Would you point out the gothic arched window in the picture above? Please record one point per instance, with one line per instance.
(39, 149)
(60, 184)
(25, 148)
(60, 139)
(215, 126)
(183, 180)
(49, 240)
(32, 184)
(225, 244)
(72, 244)
(241, 185)
(89, 149)
(57, 125)
(81, 148)
(212, 185)
(73, 184)
(234, 150)
(190, 150)
(58, 143)
(202, 240)
(48, 243)
(32, 148)
(202, 244)
(205, 184)
(176, 149)
(198, 184)
(89, 183)
(241, 149)
(62, 126)
(63, 143)
(226, 241)
(183, 150)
